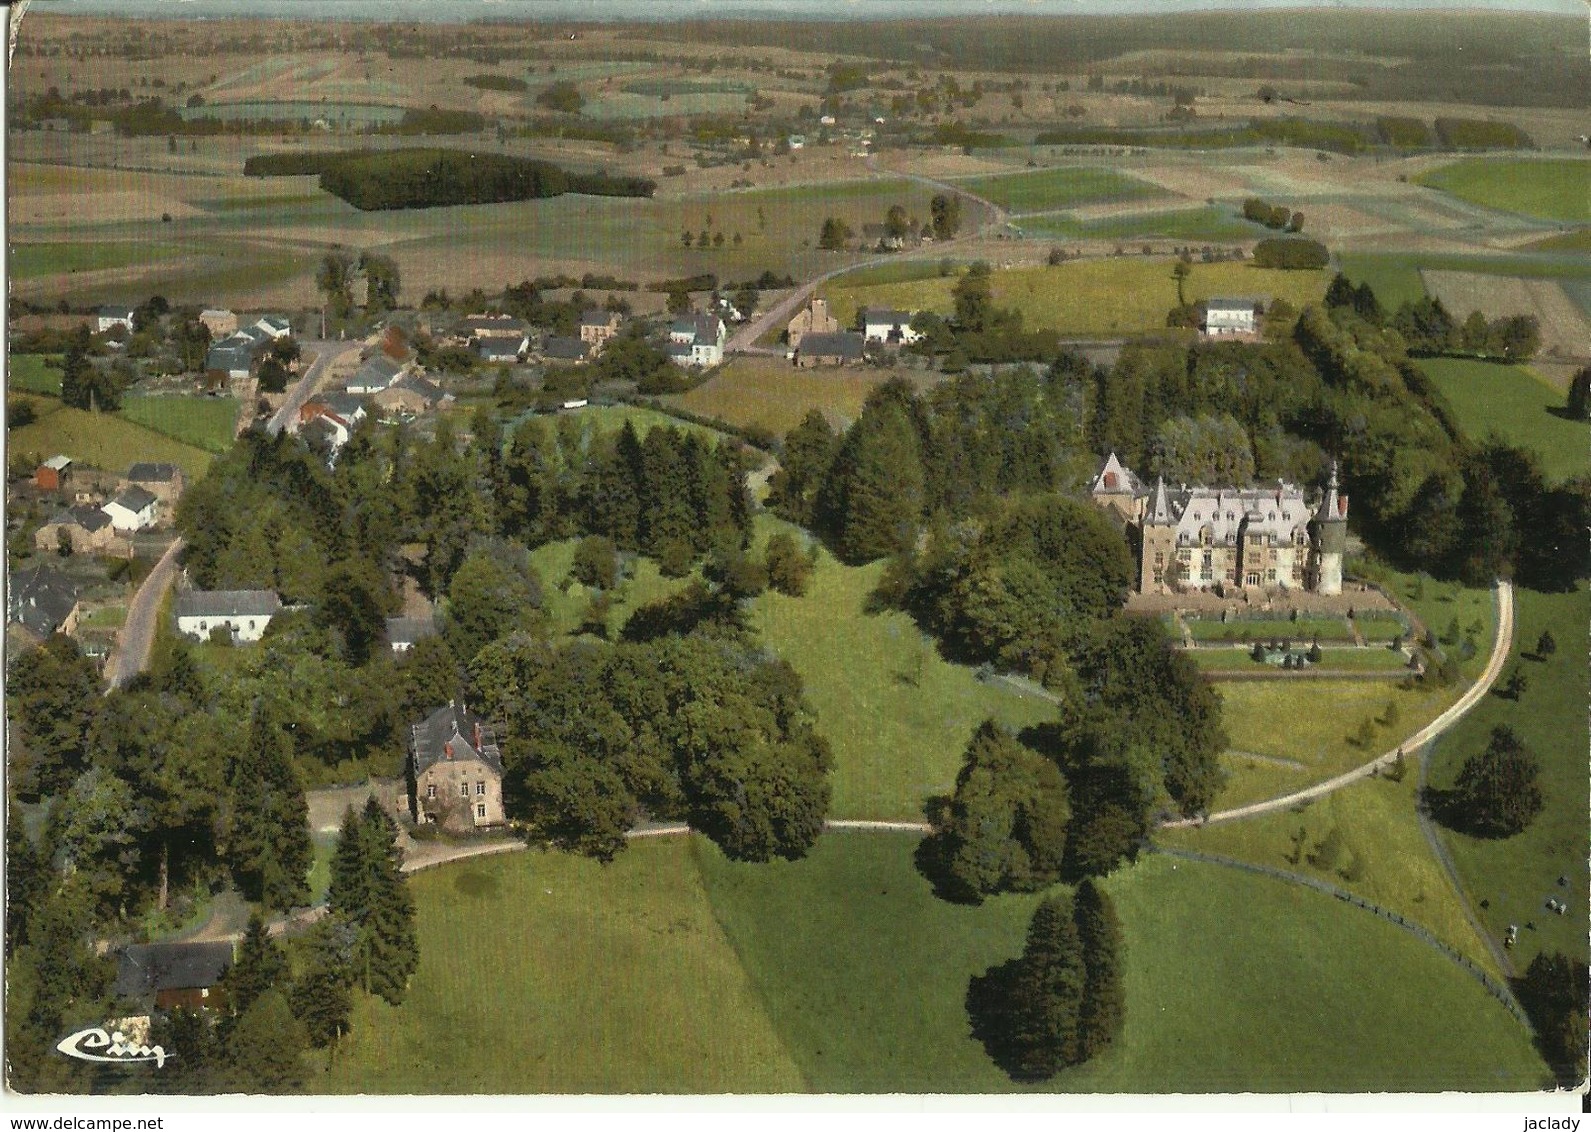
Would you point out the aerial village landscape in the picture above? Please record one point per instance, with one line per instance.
(874, 549)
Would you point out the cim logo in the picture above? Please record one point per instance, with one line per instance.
(113, 1048)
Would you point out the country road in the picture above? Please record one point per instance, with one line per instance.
(131, 654)
(325, 353)
(744, 340)
(1410, 746)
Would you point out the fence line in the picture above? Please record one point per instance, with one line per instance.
(1497, 990)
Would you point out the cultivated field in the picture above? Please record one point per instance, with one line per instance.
(1512, 402)
(1233, 982)
(1103, 298)
(1551, 190)
(1209, 223)
(774, 394)
(1049, 189)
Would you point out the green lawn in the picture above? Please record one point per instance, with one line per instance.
(1304, 629)
(1234, 982)
(564, 603)
(1208, 223)
(27, 373)
(1109, 297)
(1441, 607)
(1314, 723)
(1038, 190)
(1512, 402)
(106, 441)
(204, 422)
(1385, 857)
(546, 973)
(897, 715)
(774, 394)
(1551, 190)
(1516, 875)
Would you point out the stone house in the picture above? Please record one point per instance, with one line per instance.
(597, 326)
(412, 395)
(1230, 319)
(696, 340)
(890, 327)
(164, 481)
(114, 316)
(455, 771)
(88, 530)
(844, 348)
(220, 323)
(813, 319)
(41, 600)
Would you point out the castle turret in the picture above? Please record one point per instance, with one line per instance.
(1157, 568)
(1331, 537)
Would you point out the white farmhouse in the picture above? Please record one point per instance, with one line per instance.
(133, 509)
(889, 327)
(245, 613)
(697, 340)
(115, 316)
(1228, 318)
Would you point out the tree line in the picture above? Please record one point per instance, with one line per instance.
(1428, 330)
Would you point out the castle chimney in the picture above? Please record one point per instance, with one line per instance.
(477, 735)
(448, 748)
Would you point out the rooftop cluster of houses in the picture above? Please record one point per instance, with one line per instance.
(501, 338)
(815, 337)
(94, 524)
(239, 353)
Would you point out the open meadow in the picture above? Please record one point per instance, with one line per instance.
(565, 600)
(1516, 875)
(1047, 190)
(1212, 222)
(774, 394)
(105, 440)
(897, 715)
(27, 373)
(1511, 402)
(209, 423)
(1090, 298)
(1549, 189)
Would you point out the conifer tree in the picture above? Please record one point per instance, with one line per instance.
(261, 964)
(872, 499)
(1047, 992)
(265, 1047)
(268, 847)
(1104, 1000)
(368, 890)
(321, 995)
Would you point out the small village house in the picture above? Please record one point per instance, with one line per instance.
(133, 509)
(456, 770)
(562, 348)
(274, 326)
(53, 474)
(164, 481)
(113, 316)
(889, 327)
(244, 613)
(165, 976)
(697, 340)
(843, 348)
(86, 529)
(403, 633)
(374, 375)
(220, 323)
(597, 326)
(41, 600)
(1229, 318)
(814, 318)
(411, 395)
(507, 351)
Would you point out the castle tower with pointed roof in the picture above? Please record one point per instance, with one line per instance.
(1330, 534)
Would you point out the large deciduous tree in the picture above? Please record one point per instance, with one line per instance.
(1496, 793)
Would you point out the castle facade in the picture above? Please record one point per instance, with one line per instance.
(1228, 539)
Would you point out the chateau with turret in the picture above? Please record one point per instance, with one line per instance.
(1228, 539)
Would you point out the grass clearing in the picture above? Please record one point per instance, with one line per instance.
(32, 260)
(1548, 189)
(106, 441)
(1516, 875)
(1515, 404)
(203, 422)
(1208, 223)
(1041, 189)
(564, 600)
(1453, 612)
(775, 394)
(29, 374)
(897, 715)
(1385, 857)
(1315, 723)
(547, 973)
(1234, 982)
(1332, 659)
(1304, 629)
(1104, 298)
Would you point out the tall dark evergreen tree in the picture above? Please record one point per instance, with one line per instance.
(808, 452)
(369, 891)
(268, 842)
(321, 997)
(260, 965)
(265, 1047)
(1104, 1001)
(872, 500)
(1028, 1011)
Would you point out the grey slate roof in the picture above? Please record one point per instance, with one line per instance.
(142, 969)
(230, 355)
(134, 498)
(499, 348)
(430, 390)
(701, 327)
(428, 741)
(597, 318)
(88, 517)
(844, 345)
(345, 405)
(153, 473)
(567, 349)
(228, 603)
(893, 317)
(407, 630)
(379, 370)
(40, 599)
